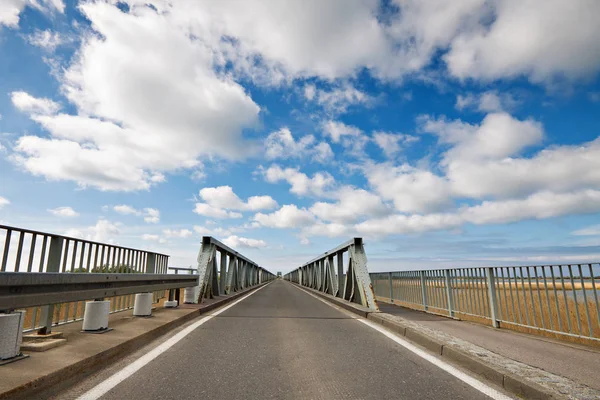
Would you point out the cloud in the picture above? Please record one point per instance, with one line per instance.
(411, 189)
(23, 101)
(301, 184)
(560, 42)
(10, 10)
(219, 200)
(218, 231)
(338, 99)
(151, 215)
(392, 143)
(103, 231)
(498, 136)
(4, 202)
(214, 212)
(288, 216)
(490, 101)
(541, 205)
(177, 233)
(46, 40)
(282, 145)
(237, 242)
(154, 238)
(353, 204)
(64, 212)
(336, 130)
(165, 91)
(589, 231)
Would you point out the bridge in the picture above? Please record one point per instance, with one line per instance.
(89, 320)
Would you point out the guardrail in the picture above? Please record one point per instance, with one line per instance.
(320, 274)
(560, 300)
(234, 272)
(22, 289)
(29, 251)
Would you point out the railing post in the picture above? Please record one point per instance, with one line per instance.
(423, 290)
(53, 265)
(150, 263)
(391, 287)
(492, 299)
(340, 268)
(449, 296)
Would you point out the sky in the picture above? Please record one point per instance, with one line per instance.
(446, 134)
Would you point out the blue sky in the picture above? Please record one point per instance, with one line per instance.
(446, 134)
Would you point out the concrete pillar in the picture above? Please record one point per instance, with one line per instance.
(143, 305)
(95, 317)
(11, 334)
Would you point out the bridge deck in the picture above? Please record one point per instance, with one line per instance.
(284, 343)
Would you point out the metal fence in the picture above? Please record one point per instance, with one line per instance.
(26, 250)
(558, 299)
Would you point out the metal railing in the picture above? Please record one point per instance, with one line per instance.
(558, 299)
(320, 274)
(29, 251)
(222, 270)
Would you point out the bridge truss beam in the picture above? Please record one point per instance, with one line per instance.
(233, 273)
(354, 285)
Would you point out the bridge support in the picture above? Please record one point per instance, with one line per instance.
(95, 316)
(240, 273)
(320, 274)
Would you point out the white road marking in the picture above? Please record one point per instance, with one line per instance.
(102, 388)
(469, 380)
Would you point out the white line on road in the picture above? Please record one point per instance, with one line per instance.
(102, 388)
(469, 380)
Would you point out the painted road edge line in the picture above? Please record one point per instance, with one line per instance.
(103, 387)
(469, 380)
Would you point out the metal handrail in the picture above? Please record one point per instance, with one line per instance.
(561, 300)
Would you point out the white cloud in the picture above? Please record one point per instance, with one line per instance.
(237, 242)
(33, 105)
(338, 99)
(214, 212)
(214, 230)
(559, 39)
(222, 198)
(154, 238)
(103, 231)
(164, 90)
(301, 184)
(151, 215)
(490, 101)
(411, 189)
(177, 233)
(353, 204)
(593, 230)
(537, 206)
(46, 40)
(10, 10)
(64, 212)
(4, 202)
(288, 216)
(337, 130)
(125, 209)
(282, 145)
(499, 135)
(392, 143)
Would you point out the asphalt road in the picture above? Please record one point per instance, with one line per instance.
(282, 343)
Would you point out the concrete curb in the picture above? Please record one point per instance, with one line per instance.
(67, 376)
(518, 378)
